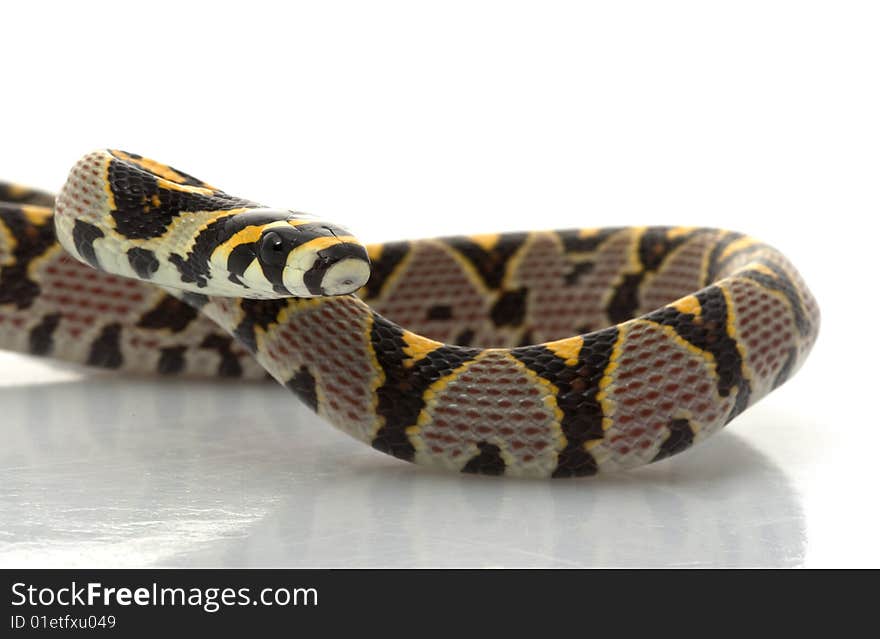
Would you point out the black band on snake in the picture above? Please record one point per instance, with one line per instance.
(537, 354)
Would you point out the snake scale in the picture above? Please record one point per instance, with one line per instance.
(536, 354)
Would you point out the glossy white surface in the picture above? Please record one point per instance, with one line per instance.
(102, 471)
(401, 119)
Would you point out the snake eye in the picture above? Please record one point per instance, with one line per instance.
(272, 249)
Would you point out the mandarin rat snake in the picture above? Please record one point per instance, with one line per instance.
(554, 353)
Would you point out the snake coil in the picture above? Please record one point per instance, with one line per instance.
(538, 354)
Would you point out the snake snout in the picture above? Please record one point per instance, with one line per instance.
(343, 271)
(340, 268)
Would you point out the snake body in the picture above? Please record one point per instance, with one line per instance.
(537, 354)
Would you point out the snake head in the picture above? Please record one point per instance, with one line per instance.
(129, 215)
(279, 253)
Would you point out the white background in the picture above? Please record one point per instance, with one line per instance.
(415, 119)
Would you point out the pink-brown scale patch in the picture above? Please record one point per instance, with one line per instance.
(84, 196)
(89, 300)
(559, 309)
(329, 338)
(766, 328)
(680, 274)
(657, 379)
(433, 278)
(810, 306)
(494, 400)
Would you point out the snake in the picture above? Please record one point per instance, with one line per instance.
(535, 354)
